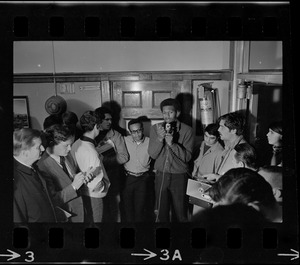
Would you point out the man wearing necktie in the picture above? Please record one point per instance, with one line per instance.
(63, 180)
(32, 202)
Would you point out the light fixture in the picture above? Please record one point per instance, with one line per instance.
(55, 104)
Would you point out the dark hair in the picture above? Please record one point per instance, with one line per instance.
(212, 129)
(58, 133)
(170, 102)
(51, 120)
(242, 185)
(276, 126)
(245, 153)
(23, 139)
(88, 120)
(69, 118)
(135, 121)
(101, 111)
(234, 121)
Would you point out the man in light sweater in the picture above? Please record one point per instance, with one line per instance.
(87, 158)
(138, 190)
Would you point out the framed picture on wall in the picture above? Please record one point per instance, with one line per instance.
(21, 112)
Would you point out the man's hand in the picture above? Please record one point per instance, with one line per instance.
(211, 177)
(169, 139)
(161, 133)
(78, 180)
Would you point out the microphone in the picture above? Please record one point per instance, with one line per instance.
(168, 127)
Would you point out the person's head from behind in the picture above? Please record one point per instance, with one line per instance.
(105, 116)
(211, 134)
(89, 121)
(170, 109)
(245, 156)
(242, 185)
(136, 129)
(59, 139)
(274, 134)
(51, 120)
(27, 145)
(231, 125)
(69, 118)
(273, 175)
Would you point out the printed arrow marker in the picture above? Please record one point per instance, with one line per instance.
(295, 255)
(149, 254)
(13, 255)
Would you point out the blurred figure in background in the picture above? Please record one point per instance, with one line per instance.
(70, 118)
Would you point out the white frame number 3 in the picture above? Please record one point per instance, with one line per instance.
(30, 255)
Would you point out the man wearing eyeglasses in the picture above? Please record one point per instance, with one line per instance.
(110, 145)
(138, 193)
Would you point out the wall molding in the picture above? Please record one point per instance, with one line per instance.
(123, 76)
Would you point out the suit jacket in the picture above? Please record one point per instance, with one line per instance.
(32, 202)
(60, 187)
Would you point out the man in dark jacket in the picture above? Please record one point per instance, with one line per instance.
(32, 202)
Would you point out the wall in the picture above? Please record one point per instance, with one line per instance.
(39, 93)
(109, 56)
(114, 56)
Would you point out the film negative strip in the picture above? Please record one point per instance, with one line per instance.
(147, 242)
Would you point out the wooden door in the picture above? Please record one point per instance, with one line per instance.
(143, 98)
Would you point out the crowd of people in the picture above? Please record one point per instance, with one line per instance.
(85, 170)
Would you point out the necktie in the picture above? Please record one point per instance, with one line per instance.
(63, 164)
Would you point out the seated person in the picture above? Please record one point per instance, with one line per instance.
(209, 152)
(273, 174)
(243, 185)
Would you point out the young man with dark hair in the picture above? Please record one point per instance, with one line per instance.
(61, 172)
(138, 190)
(110, 145)
(85, 154)
(171, 145)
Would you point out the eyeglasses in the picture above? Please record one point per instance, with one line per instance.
(108, 119)
(136, 131)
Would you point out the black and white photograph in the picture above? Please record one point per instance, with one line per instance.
(176, 145)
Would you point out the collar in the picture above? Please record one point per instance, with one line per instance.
(143, 140)
(231, 145)
(22, 162)
(55, 157)
(88, 139)
(22, 167)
